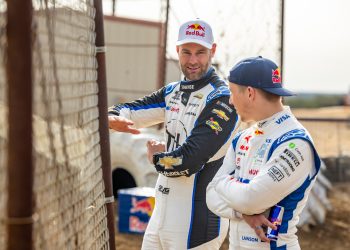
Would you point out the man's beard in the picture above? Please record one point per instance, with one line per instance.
(195, 76)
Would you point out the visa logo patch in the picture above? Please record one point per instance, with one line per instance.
(282, 119)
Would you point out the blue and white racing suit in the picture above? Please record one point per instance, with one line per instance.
(272, 162)
(198, 121)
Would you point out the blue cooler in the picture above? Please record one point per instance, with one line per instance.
(135, 207)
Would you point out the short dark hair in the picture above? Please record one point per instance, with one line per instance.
(242, 88)
(269, 96)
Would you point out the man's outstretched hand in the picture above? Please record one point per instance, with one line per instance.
(122, 124)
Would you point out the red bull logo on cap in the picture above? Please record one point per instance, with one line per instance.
(144, 205)
(197, 30)
(276, 76)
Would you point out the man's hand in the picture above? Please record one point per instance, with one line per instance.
(154, 146)
(121, 124)
(259, 222)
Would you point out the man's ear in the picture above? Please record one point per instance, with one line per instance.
(251, 93)
(213, 49)
(177, 49)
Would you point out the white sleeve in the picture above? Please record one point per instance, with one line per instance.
(144, 112)
(144, 118)
(285, 171)
(214, 202)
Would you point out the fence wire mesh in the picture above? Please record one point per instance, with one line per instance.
(69, 194)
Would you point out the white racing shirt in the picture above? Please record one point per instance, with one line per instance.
(272, 162)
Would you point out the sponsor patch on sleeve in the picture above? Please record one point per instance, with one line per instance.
(290, 159)
(168, 162)
(199, 95)
(221, 91)
(275, 173)
(294, 147)
(214, 125)
(225, 106)
(221, 114)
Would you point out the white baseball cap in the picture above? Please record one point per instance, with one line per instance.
(196, 31)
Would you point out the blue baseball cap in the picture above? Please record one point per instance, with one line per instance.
(261, 73)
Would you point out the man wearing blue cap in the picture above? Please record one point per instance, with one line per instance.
(271, 165)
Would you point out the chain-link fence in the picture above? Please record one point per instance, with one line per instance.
(69, 198)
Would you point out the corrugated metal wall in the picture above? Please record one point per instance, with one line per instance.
(132, 58)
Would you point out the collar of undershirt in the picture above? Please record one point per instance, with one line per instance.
(192, 86)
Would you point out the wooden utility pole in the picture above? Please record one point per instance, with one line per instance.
(114, 3)
(163, 60)
(20, 166)
(103, 120)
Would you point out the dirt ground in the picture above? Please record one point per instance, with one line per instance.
(334, 234)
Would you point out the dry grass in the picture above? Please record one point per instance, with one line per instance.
(326, 112)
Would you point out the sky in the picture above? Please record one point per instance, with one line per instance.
(316, 48)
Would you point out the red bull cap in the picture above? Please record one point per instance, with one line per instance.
(196, 31)
(261, 73)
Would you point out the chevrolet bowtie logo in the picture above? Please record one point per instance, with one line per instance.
(168, 162)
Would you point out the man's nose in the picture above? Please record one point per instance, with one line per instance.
(193, 59)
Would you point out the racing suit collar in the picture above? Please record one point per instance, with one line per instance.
(268, 122)
(192, 86)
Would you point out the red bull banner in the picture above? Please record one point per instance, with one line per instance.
(135, 207)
